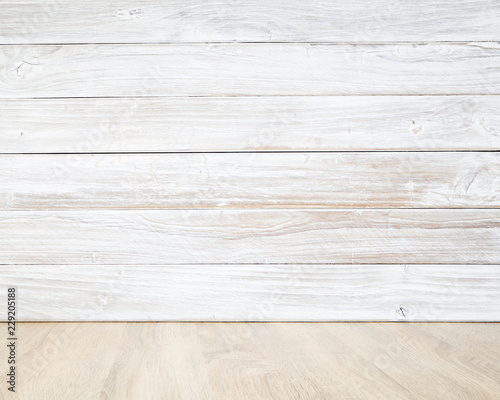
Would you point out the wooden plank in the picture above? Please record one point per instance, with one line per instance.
(281, 361)
(147, 21)
(303, 123)
(254, 292)
(249, 69)
(250, 180)
(145, 237)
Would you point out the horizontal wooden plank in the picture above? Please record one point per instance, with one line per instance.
(247, 69)
(250, 180)
(250, 236)
(254, 292)
(302, 123)
(116, 21)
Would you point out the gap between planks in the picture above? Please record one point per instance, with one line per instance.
(480, 43)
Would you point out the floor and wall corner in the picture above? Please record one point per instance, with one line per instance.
(249, 200)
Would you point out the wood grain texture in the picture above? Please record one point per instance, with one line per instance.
(249, 69)
(146, 21)
(250, 180)
(382, 361)
(304, 123)
(301, 113)
(378, 292)
(145, 237)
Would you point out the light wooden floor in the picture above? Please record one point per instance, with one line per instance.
(190, 160)
(276, 361)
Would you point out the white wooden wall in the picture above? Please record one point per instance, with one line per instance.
(250, 160)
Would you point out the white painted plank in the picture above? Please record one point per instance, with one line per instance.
(250, 236)
(250, 180)
(118, 21)
(250, 69)
(254, 292)
(303, 123)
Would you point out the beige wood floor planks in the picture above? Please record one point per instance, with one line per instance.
(250, 236)
(146, 21)
(281, 361)
(248, 69)
(250, 180)
(403, 355)
(303, 123)
(297, 292)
